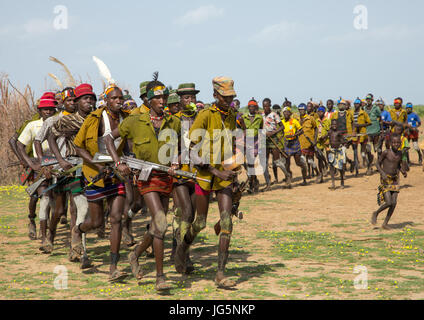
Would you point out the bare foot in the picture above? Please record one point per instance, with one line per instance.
(374, 218)
(386, 227)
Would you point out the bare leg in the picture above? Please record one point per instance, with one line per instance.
(387, 203)
(392, 208)
(224, 204)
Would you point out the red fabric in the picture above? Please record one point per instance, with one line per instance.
(201, 192)
(158, 182)
(308, 152)
(84, 89)
(48, 100)
(413, 135)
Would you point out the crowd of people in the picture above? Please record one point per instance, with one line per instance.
(73, 126)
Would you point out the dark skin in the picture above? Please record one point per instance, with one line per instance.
(174, 108)
(336, 141)
(252, 113)
(156, 202)
(36, 166)
(32, 201)
(224, 196)
(308, 157)
(45, 114)
(356, 128)
(321, 163)
(389, 163)
(398, 107)
(382, 136)
(114, 101)
(274, 151)
(297, 157)
(330, 105)
(83, 106)
(182, 193)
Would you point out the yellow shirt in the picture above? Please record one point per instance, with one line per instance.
(210, 120)
(146, 145)
(323, 126)
(141, 109)
(308, 125)
(363, 118)
(291, 127)
(87, 138)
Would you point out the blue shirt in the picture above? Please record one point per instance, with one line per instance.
(385, 116)
(413, 119)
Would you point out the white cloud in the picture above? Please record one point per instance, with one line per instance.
(38, 26)
(200, 15)
(277, 32)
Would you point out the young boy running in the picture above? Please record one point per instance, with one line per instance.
(389, 165)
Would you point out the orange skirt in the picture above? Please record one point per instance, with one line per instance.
(158, 182)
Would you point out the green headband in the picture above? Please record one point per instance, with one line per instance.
(157, 91)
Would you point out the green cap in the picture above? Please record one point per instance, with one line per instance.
(186, 88)
(173, 97)
(143, 87)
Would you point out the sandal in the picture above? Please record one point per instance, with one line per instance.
(135, 267)
(76, 244)
(32, 231)
(161, 284)
(127, 238)
(117, 275)
(46, 246)
(225, 283)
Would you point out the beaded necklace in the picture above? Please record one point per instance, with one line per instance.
(225, 113)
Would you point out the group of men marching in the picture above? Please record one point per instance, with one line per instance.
(96, 190)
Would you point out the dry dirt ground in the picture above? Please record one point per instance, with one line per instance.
(302, 243)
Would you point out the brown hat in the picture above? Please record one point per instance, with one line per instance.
(224, 86)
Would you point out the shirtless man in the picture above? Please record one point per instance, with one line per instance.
(389, 165)
(337, 154)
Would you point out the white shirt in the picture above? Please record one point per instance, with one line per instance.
(28, 135)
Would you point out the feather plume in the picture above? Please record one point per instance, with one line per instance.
(104, 70)
(155, 76)
(56, 79)
(71, 79)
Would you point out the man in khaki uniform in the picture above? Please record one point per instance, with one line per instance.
(219, 116)
(149, 133)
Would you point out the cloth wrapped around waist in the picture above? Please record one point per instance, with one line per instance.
(158, 182)
(337, 157)
(391, 184)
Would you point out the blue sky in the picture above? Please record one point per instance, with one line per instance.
(276, 49)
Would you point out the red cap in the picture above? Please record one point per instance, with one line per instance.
(84, 89)
(48, 100)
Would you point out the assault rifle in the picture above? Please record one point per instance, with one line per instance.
(318, 151)
(146, 168)
(106, 160)
(49, 161)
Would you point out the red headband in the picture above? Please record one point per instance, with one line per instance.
(252, 103)
(398, 101)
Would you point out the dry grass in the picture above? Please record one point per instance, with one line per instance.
(15, 108)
